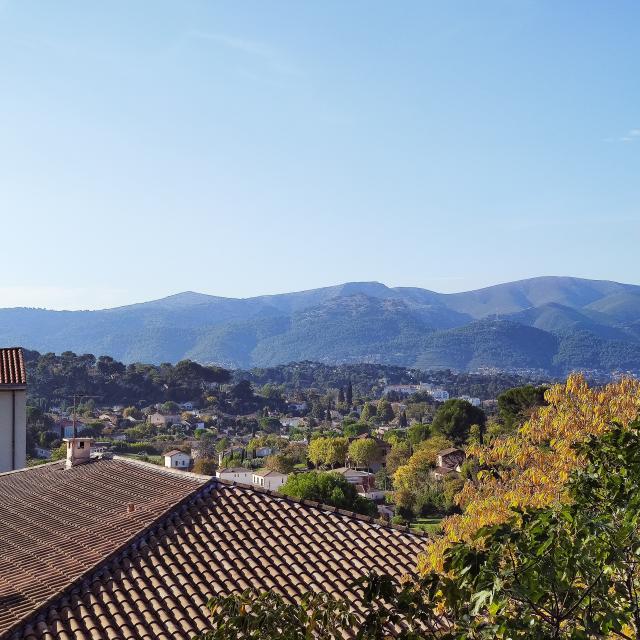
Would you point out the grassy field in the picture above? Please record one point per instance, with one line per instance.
(430, 524)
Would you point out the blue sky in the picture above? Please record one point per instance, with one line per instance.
(241, 148)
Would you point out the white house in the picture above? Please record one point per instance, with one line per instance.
(267, 479)
(235, 474)
(474, 401)
(402, 389)
(13, 410)
(177, 459)
(43, 453)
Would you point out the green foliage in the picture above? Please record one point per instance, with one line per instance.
(384, 411)
(60, 453)
(328, 452)
(368, 412)
(418, 432)
(205, 466)
(265, 616)
(327, 488)
(53, 379)
(280, 462)
(454, 419)
(515, 405)
(364, 452)
(353, 429)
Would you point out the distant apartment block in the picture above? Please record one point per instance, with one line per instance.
(13, 410)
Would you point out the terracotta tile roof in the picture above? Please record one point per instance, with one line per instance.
(223, 538)
(12, 369)
(175, 452)
(55, 524)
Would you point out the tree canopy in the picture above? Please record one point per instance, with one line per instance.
(454, 419)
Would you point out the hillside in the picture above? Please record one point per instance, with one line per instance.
(554, 324)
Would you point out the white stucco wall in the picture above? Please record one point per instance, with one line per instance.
(6, 427)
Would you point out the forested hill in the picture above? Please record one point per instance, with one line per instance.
(552, 325)
(370, 379)
(54, 379)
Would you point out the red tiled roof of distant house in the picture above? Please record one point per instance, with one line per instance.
(12, 369)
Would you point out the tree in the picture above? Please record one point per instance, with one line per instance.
(279, 462)
(516, 405)
(353, 429)
(242, 391)
(403, 420)
(341, 397)
(418, 432)
(384, 411)
(60, 453)
(327, 488)
(398, 456)
(541, 454)
(349, 394)
(417, 471)
(336, 451)
(454, 419)
(368, 412)
(205, 466)
(328, 451)
(170, 407)
(364, 452)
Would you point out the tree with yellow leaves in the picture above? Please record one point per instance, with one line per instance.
(529, 469)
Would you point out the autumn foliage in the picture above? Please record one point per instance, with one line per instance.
(531, 467)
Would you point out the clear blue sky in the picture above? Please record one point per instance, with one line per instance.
(240, 148)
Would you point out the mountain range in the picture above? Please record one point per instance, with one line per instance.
(548, 324)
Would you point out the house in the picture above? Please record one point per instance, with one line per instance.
(476, 402)
(439, 395)
(448, 462)
(13, 410)
(42, 453)
(268, 479)
(235, 474)
(152, 544)
(401, 389)
(364, 482)
(353, 476)
(292, 422)
(158, 419)
(177, 459)
(263, 452)
(68, 427)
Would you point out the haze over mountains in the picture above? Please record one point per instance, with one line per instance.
(552, 324)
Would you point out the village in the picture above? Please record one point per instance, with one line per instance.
(361, 441)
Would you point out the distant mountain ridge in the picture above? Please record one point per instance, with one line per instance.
(553, 324)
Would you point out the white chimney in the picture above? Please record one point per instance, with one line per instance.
(78, 451)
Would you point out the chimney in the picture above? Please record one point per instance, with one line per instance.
(78, 451)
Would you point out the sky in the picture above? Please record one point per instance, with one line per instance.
(244, 148)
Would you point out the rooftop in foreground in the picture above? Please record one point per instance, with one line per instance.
(76, 562)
